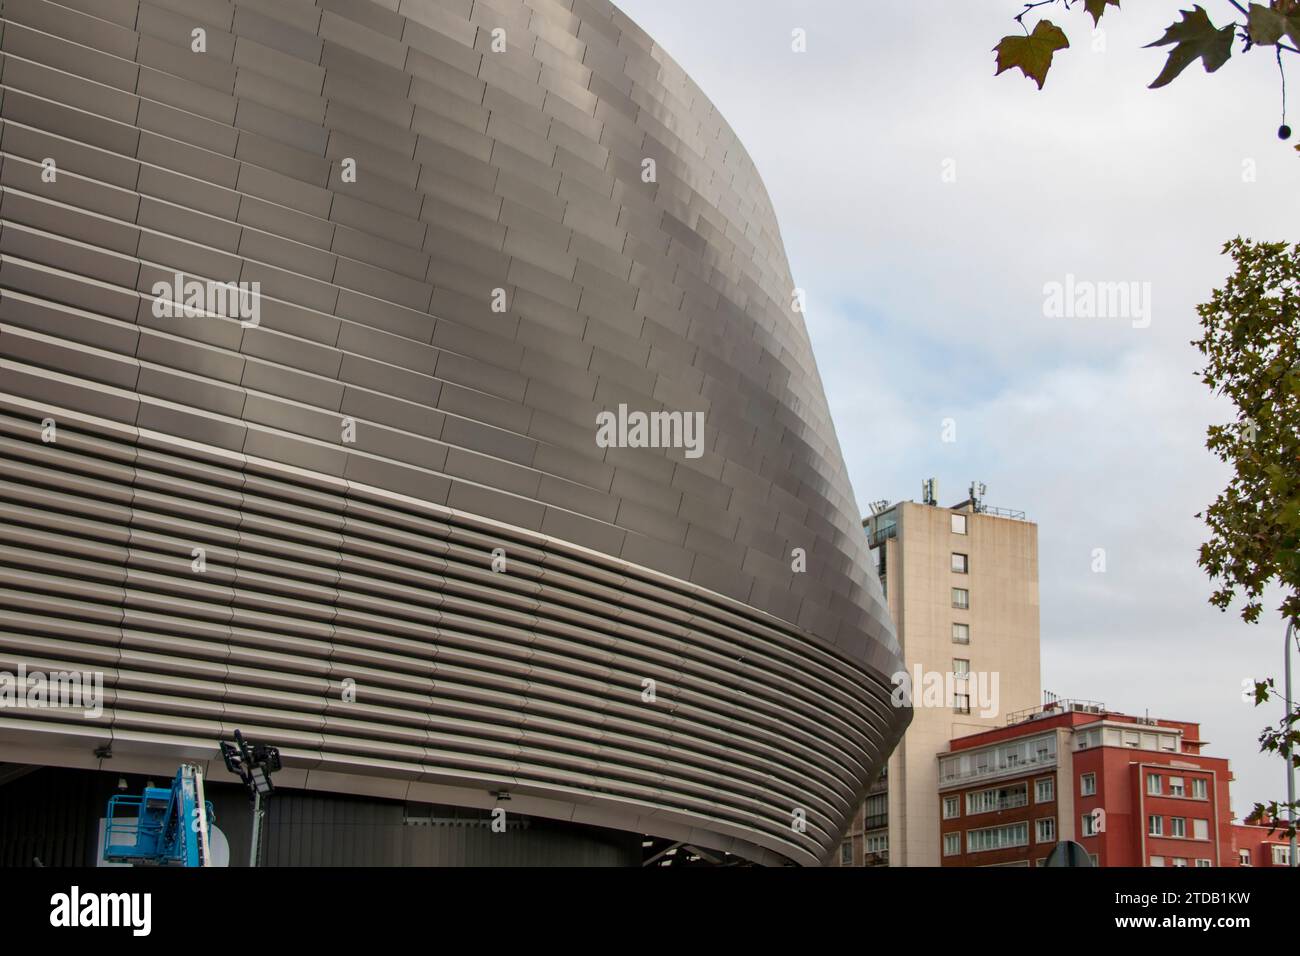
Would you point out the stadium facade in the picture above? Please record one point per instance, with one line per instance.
(309, 313)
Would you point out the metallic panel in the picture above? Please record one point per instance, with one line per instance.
(369, 560)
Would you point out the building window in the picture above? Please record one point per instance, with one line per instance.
(1203, 863)
(1198, 789)
(846, 853)
(951, 807)
(1153, 784)
(960, 667)
(1087, 738)
(1157, 861)
(1088, 785)
(1045, 830)
(997, 838)
(961, 703)
(1038, 753)
(961, 633)
(1088, 825)
(1178, 826)
(1044, 790)
(877, 811)
(878, 843)
(997, 798)
(1281, 855)
(1132, 738)
(1179, 861)
(1095, 859)
(1176, 788)
(958, 524)
(960, 598)
(951, 844)
(1155, 825)
(960, 563)
(1200, 829)
(1243, 857)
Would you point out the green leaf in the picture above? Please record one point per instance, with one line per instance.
(1194, 38)
(1266, 25)
(1098, 7)
(1032, 54)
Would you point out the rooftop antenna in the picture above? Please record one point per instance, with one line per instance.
(877, 507)
(977, 490)
(930, 491)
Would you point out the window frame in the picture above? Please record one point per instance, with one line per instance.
(1088, 789)
(1001, 829)
(978, 802)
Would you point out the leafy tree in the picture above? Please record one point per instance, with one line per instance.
(1193, 37)
(1251, 344)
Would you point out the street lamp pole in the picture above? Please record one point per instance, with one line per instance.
(253, 764)
(1290, 762)
(255, 850)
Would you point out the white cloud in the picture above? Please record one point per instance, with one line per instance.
(926, 298)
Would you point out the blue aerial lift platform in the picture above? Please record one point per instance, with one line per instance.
(161, 827)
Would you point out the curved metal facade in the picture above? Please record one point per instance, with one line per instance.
(437, 336)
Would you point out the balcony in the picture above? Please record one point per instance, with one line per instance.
(1042, 760)
(1006, 803)
(881, 535)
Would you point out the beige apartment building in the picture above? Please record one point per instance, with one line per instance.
(962, 586)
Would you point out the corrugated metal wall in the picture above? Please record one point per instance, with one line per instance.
(330, 559)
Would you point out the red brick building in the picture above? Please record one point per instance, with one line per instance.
(1133, 791)
(1254, 845)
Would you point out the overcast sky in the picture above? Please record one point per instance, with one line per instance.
(926, 301)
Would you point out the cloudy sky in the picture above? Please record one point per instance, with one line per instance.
(926, 298)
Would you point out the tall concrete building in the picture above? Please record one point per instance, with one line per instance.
(962, 587)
